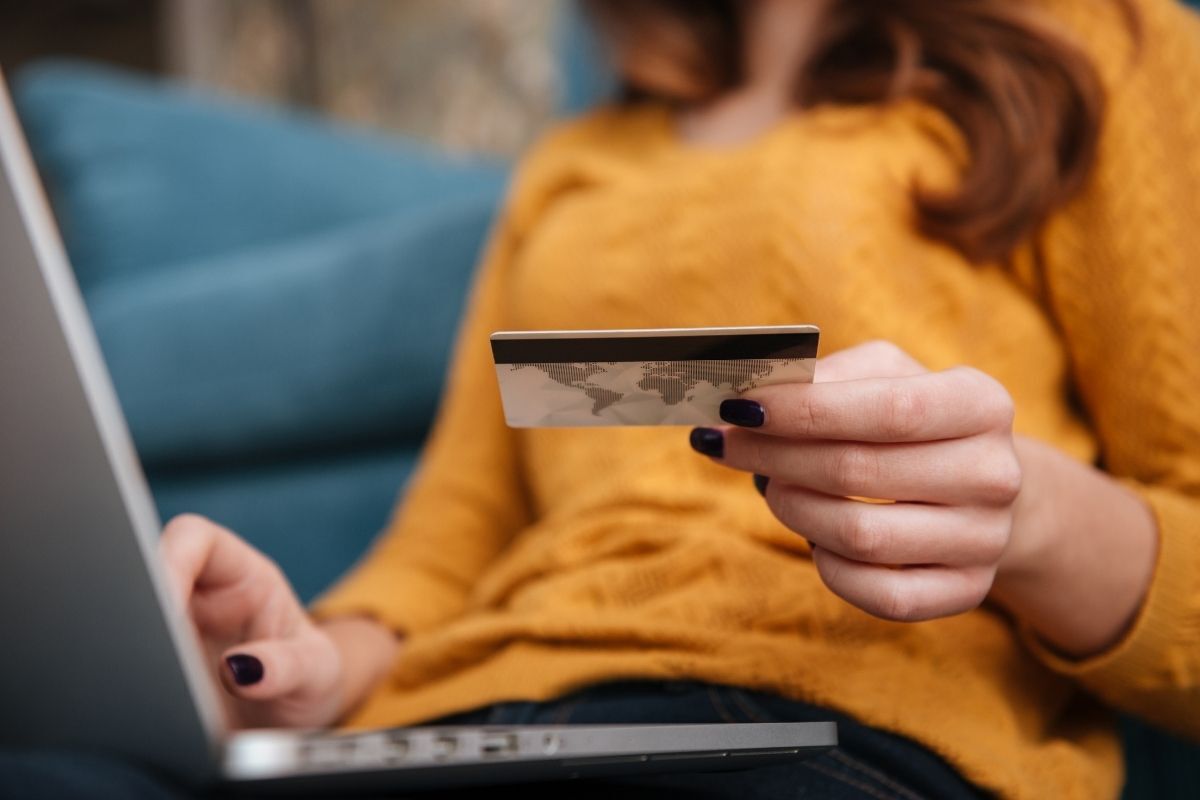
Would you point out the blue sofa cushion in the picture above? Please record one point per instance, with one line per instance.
(142, 174)
(336, 339)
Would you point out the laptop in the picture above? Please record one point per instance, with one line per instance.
(96, 655)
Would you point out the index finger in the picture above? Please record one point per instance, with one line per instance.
(951, 404)
(201, 554)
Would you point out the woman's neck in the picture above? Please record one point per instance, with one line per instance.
(777, 35)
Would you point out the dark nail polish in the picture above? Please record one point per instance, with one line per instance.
(246, 670)
(708, 441)
(760, 483)
(743, 413)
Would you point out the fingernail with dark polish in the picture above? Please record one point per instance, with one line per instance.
(708, 441)
(246, 670)
(744, 413)
(760, 483)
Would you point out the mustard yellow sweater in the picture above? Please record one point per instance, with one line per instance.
(526, 564)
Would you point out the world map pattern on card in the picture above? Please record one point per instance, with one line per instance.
(595, 393)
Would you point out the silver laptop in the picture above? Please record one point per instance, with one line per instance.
(96, 655)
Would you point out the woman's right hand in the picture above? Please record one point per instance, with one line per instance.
(278, 666)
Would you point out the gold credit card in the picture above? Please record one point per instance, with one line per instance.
(659, 376)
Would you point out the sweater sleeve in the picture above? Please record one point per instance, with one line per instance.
(465, 500)
(1122, 270)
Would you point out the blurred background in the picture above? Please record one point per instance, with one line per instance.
(472, 75)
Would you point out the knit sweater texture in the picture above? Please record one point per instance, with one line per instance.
(524, 564)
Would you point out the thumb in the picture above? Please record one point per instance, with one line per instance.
(271, 669)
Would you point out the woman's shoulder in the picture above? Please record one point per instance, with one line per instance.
(1117, 35)
(1128, 239)
(1147, 54)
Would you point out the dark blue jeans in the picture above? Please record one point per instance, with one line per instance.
(867, 765)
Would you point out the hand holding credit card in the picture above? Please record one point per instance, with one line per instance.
(660, 376)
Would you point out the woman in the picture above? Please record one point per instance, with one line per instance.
(1004, 185)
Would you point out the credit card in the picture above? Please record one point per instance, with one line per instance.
(658, 376)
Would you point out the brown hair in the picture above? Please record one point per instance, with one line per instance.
(1028, 101)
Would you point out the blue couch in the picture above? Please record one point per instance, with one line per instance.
(276, 297)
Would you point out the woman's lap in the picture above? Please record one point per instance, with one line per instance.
(867, 765)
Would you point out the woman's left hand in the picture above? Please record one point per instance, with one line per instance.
(878, 425)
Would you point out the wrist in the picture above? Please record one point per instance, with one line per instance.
(1035, 529)
(367, 650)
(1081, 553)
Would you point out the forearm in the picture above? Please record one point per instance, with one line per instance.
(367, 650)
(1082, 554)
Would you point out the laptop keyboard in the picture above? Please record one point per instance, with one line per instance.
(406, 746)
